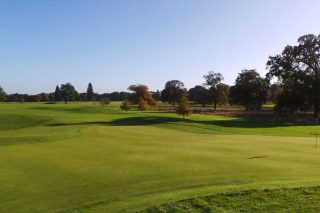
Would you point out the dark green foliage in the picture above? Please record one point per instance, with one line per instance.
(199, 95)
(172, 92)
(57, 94)
(276, 200)
(298, 70)
(90, 93)
(125, 105)
(223, 91)
(114, 96)
(211, 81)
(68, 92)
(274, 92)
(2, 95)
(250, 90)
(183, 107)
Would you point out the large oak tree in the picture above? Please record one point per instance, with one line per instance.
(211, 81)
(250, 90)
(298, 70)
(172, 92)
(68, 92)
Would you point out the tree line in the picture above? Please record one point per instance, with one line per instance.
(292, 84)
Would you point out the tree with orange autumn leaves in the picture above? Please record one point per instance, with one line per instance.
(142, 96)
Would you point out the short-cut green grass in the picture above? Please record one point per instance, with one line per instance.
(81, 157)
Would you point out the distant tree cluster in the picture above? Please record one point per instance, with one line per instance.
(296, 69)
(212, 92)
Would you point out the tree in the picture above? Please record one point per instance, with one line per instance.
(57, 94)
(223, 91)
(274, 92)
(3, 95)
(250, 90)
(142, 104)
(44, 97)
(172, 92)
(183, 107)
(104, 101)
(211, 81)
(125, 105)
(298, 68)
(68, 92)
(142, 96)
(90, 93)
(199, 95)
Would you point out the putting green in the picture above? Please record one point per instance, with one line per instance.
(80, 157)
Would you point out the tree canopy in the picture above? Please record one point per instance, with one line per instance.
(68, 92)
(211, 81)
(142, 96)
(183, 107)
(298, 71)
(172, 92)
(3, 95)
(199, 95)
(57, 94)
(90, 93)
(250, 90)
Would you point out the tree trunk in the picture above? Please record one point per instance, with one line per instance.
(215, 104)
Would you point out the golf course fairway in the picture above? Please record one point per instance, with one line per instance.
(81, 157)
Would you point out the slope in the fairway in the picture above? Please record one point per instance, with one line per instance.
(17, 121)
(104, 160)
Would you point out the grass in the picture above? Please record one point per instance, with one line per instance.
(84, 158)
(277, 200)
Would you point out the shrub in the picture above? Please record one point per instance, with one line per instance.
(104, 101)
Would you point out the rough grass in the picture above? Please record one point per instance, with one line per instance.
(276, 200)
(86, 158)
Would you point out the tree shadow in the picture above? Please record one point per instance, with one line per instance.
(250, 123)
(154, 120)
(131, 121)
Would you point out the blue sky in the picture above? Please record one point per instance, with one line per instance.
(114, 44)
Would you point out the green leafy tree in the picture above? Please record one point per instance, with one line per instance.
(199, 95)
(274, 92)
(223, 91)
(57, 94)
(68, 92)
(3, 95)
(298, 71)
(250, 90)
(211, 81)
(172, 92)
(183, 108)
(90, 93)
(125, 105)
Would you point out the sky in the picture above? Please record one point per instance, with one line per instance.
(116, 43)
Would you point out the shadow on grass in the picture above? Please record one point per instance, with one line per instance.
(154, 120)
(132, 121)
